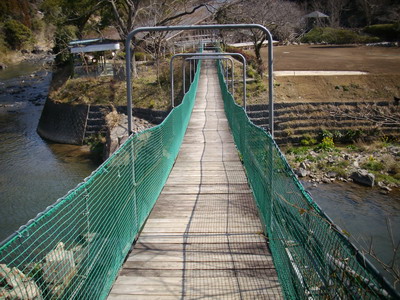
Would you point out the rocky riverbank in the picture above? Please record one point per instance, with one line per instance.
(367, 164)
(117, 131)
(39, 52)
(25, 82)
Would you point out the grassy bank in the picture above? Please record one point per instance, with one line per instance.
(148, 91)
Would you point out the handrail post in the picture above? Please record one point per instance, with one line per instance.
(233, 78)
(190, 71)
(171, 79)
(244, 84)
(184, 77)
(227, 73)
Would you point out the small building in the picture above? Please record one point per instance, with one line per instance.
(316, 18)
(95, 57)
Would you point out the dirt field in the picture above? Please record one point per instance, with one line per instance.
(375, 60)
(381, 83)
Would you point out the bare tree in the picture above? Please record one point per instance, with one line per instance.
(334, 9)
(129, 13)
(378, 115)
(283, 18)
(167, 12)
(125, 13)
(379, 10)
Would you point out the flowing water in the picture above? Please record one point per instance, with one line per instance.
(33, 173)
(366, 215)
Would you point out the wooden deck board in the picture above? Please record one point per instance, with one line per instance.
(203, 238)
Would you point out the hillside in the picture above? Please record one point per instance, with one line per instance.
(23, 31)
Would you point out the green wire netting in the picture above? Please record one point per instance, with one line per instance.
(312, 258)
(75, 248)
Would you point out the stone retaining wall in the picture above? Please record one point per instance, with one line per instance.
(63, 123)
(295, 119)
(72, 124)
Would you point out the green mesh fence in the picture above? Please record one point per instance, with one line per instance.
(312, 258)
(75, 248)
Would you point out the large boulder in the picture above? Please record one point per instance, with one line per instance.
(117, 131)
(58, 269)
(363, 177)
(300, 172)
(16, 285)
(116, 135)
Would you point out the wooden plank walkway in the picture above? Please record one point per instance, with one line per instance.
(203, 238)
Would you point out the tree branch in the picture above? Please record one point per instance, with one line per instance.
(166, 20)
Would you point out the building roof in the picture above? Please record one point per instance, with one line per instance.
(93, 45)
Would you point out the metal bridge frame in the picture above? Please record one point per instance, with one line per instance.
(195, 58)
(199, 27)
(213, 56)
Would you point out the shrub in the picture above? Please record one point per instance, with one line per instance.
(17, 35)
(353, 148)
(250, 59)
(352, 136)
(373, 165)
(121, 54)
(308, 140)
(3, 44)
(297, 150)
(141, 56)
(62, 37)
(164, 77)
(326, 144)
(385, 32)
(251, 73)
(38, 25)
(325, 133)
(96, 143)
(335, 36)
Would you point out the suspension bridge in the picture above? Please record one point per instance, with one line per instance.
(203, 205)
(203, 237)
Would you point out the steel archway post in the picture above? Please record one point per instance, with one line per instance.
(190, 71)
(199, 27)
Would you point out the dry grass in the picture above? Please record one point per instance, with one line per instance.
(113, 118)
(146, 92)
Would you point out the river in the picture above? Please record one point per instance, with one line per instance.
(365, 214)
(33, 173)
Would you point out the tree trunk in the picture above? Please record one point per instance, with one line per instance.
(257, 52)
(133, 62)
(133, 65)
(158, 57)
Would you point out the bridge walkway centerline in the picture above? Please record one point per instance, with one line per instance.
(203, 239)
